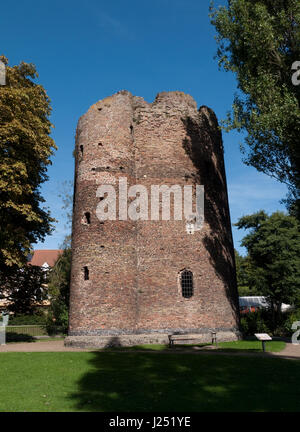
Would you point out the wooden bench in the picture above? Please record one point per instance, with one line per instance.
(187, 337)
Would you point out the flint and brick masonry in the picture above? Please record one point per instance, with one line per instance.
(127, 275)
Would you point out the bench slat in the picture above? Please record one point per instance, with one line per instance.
(174, 338)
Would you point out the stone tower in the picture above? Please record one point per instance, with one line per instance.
(136, 281)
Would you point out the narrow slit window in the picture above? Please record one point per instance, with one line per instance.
(86, 273)
(187, 285)
(81, 150)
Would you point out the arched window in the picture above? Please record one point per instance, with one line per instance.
(186, 282)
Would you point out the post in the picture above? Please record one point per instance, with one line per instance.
(214, 338)
(263, 346)
(3, 325)
(2, 335)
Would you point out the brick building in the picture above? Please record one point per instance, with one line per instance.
(43, 258)
(136, 281)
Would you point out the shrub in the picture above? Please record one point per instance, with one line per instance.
(36, 319)
(255, 322)
(58, 317)
(261, 321)
(291, 317)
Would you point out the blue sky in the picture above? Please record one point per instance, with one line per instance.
(85, 51)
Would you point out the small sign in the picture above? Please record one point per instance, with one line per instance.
(263, 336)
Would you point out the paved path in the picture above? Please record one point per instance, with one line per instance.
(290, 352)
(43, 346)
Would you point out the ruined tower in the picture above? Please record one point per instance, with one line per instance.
(136, 281)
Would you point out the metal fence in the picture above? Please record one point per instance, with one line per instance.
(31, 330)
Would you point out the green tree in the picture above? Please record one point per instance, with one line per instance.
(259, 41)
(242, 275)
(273, 246)
(60, 274)
(59, 291)
(24, 288)
(25, 151)
(66, 195)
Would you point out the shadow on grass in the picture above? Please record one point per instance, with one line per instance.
(154, 347)
(142, 382)
(241, 350)
(19, 337)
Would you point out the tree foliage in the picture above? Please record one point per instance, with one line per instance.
(273, 246)
(66, 195)
(259, 40)
(59, 290)
(25, 151)
(24, 288)
(242, 275)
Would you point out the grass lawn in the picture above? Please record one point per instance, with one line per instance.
(134, 381)
(254, 346)
(242, 345)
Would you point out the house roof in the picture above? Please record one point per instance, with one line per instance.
(258, 301)
(45, 256)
